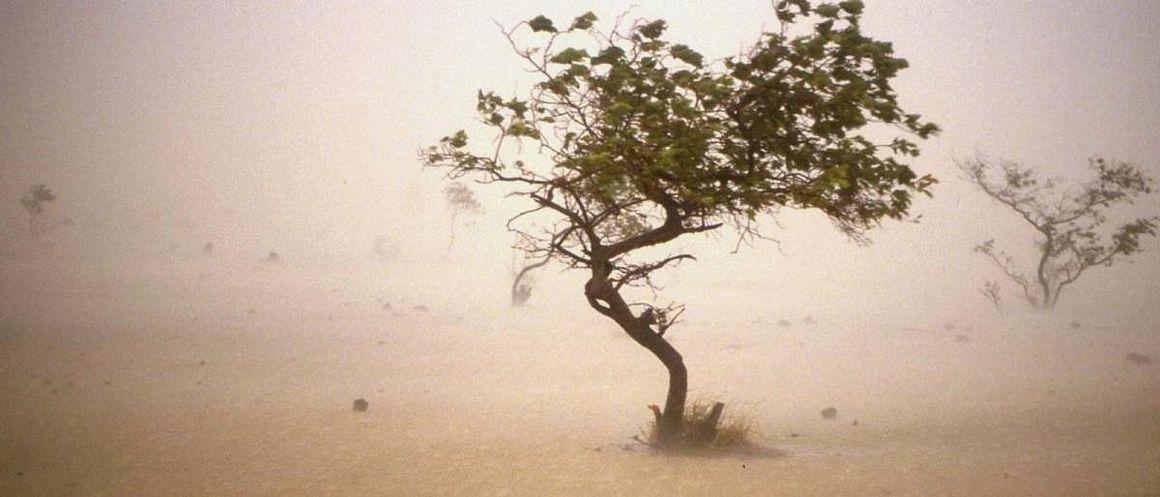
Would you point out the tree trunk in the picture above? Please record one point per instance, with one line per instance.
(521, 293)
(670, 428)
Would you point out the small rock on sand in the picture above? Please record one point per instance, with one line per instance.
(1136, 358)
(421, 308)
(829, 413)
(962, 338)
(360, 405)
(784, 323)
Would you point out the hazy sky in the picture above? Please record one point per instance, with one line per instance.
(283, 123)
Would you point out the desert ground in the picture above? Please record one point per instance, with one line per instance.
(201, 376)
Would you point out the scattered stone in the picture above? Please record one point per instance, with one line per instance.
(809, 319)
(794, 435)
(855, 423)
(949, 327)
(421, 308)
(1135, 358)
(201, 362)
(598, 449)
(273, 257)
(360, 405)
(251, 311)
(386, 306)
(1006, 475)
(962, 338)
(784, 323)
(1074, 325)
(829, 413)
(382, 342)
(53, 391)
(207, 249)
(107, 383)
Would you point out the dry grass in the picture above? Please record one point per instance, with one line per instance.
(735, 429)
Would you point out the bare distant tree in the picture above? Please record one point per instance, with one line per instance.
(1067, 223)
(522, 283)
(460, 198)
(33, 203)
(991, 291)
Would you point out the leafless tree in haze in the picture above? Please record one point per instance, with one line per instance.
(460, 199)
(33, 203)
(992, 291)
(522, 281)
(1067, 224)
(646, 142)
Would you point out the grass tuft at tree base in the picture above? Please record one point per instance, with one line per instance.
(733, 431)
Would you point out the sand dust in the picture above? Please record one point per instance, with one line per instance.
(195, 378)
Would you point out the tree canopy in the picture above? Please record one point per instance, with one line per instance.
(648, 140)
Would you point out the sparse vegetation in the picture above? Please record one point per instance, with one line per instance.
(1067, 224)
(702, 430)
(460, 199)
(647, 142)
(33, 203)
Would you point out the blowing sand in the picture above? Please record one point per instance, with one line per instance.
(193, 378)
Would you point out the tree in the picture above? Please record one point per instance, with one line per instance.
(644, 141)
(522, 282)
(459, 198)
(1067, 224)
(33, 203)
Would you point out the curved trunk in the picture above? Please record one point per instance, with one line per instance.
(671, 420)
(521, 293)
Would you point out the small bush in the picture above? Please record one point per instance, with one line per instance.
(734, 430)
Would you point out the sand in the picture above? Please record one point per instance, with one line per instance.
(193, 377)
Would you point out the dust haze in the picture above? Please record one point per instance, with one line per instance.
(151, 345)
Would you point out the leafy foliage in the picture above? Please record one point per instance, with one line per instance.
(461, 198)
(641, 133)
(1068, 225)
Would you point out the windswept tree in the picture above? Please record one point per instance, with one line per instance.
(460, 199)
(1068, 224)
(33, 203)
(642, 141)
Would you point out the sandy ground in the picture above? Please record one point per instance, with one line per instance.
(197, 379)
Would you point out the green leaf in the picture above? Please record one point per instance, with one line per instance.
(458, 140)
(852, 6)
(653, 30)
(687, 55)
(541, 23)
(568, 56)
(827, 10)
(608, 56)
(585, 21)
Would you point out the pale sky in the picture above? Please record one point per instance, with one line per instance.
(295, 123)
